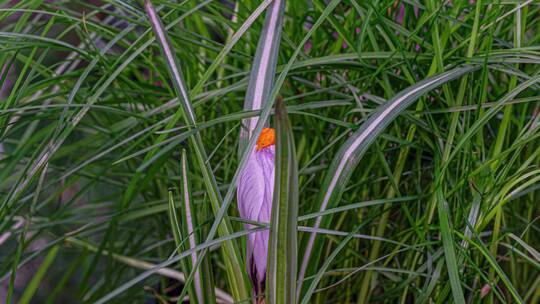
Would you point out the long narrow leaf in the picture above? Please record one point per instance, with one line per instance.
(448, 246)
(263, 68)
(32, 287)
(283, 252)
(202, 281)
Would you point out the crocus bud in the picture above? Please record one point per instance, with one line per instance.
(485, 290)
(255, 190)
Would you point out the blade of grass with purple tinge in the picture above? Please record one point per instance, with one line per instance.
(263, 68)
(283, 251)
(349, 155)
(187, 236)
(233, 264)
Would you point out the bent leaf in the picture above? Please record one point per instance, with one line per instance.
(350, 154)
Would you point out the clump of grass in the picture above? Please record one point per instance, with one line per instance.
(412, 130)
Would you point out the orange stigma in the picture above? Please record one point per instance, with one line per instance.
(266, 139)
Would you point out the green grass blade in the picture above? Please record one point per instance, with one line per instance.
(282, 259)
(175, 223)
(202, 281)
(38, 276)
(449, 250)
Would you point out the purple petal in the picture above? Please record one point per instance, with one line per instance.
(255, 189)
(308, 46)
(485, 290)
(401, 13)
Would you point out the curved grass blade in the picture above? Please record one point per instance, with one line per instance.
(283, 252)
(261, 79)
(357, 206)
(236, 275)
(533, 252)
(203, 276)
(351, 152)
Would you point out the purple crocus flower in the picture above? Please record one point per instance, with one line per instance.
(308, 46)
(485, 290)
(255, 190)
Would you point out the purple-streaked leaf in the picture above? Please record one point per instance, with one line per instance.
(261, 79)
(351, 152)
(203, 276)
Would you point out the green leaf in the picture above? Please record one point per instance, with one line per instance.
(38, 276)
(202, 286)
(282, 259)
(448, 246)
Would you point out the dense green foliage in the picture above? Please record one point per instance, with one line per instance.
(438, 202)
